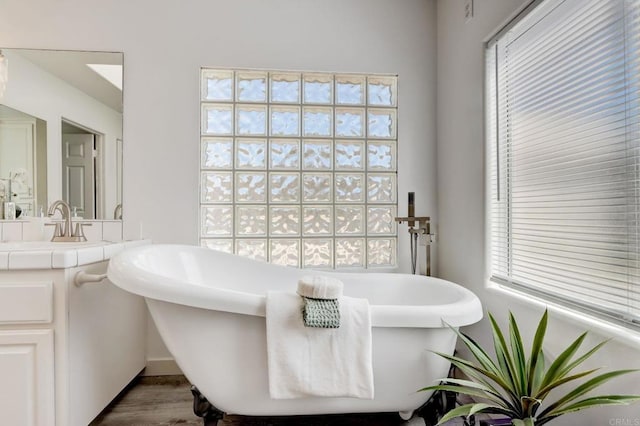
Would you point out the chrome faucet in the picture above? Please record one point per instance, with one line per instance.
(66, 234)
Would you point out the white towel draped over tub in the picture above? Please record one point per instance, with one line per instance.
(329, 362)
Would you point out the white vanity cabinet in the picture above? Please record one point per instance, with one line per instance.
(65, 351)
(27, 384)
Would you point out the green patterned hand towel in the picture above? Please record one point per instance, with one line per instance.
(322, 313)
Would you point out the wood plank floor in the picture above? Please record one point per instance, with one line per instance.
(152, 401)
(167, 401)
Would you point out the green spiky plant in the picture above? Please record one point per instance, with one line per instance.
(515, 386)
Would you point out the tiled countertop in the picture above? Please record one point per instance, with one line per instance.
(46, 255)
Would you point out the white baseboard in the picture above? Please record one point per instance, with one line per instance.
(161, 367)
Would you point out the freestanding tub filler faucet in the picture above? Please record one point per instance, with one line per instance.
(66, 233)
(418, 226)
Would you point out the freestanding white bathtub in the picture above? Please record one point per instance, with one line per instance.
(209, 308)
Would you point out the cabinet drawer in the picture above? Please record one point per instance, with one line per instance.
(26, 302)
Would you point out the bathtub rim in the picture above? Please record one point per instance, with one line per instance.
(124, 273)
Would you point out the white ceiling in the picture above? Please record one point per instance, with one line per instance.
(71, 66)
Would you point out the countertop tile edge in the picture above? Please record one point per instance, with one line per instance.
(63, 258)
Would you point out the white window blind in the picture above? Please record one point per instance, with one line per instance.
(563, 135)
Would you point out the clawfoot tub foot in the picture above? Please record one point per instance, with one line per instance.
(203, 408)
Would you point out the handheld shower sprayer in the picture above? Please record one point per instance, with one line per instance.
(411, 209)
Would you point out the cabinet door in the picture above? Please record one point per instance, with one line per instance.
(26, 378)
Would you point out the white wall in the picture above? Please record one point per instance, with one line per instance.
(460, 162)
(165, 43)
(36, 92)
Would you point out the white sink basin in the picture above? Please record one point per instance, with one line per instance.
(48, 245)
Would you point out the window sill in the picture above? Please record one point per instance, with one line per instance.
(620, 334)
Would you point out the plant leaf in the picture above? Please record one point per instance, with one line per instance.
(481, 386)
(479, 407)
(463, 410)
(476, 350)
(503, 355)
(466, 410)
(536, 353)
(463, 364)
(545, 391)
(478, 378)
(538, 374)
(580, 360)
(517, 349)
(471, 392)
(530, 405)
(476, 372)
(506, 364)
(553, 373)
(582, 389)
(598, 401)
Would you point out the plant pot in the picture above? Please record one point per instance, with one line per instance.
(496, 422)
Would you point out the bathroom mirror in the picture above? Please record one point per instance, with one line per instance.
(61, 130)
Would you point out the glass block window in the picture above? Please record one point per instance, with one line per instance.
(299, 169)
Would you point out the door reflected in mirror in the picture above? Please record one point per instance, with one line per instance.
(61, 131)
(23, 160)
